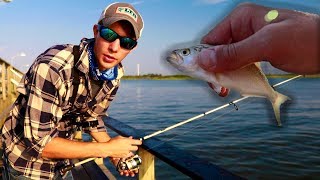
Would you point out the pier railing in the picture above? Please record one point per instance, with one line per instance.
(181, 160)
(10, 78)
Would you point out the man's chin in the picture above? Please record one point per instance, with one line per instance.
(106, 67)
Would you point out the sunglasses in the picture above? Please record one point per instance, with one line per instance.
(110, 36)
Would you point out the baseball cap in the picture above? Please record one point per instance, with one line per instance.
(122, 11)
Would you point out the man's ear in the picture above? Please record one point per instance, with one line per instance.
(95, 30)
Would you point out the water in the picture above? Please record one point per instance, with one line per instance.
(247, 142)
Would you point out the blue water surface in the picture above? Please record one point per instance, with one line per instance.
(247, 142)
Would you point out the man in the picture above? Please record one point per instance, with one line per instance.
(38, 133)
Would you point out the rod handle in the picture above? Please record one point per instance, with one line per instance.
(66, 169)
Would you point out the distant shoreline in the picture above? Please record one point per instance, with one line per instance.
(184, 77)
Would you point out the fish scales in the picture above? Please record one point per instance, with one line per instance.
(248, 80)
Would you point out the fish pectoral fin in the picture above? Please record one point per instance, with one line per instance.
(220, 90)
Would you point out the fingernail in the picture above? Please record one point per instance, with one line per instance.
(207, 59)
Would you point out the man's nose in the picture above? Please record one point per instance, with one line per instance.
(115, 45)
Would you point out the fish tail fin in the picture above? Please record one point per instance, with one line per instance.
(280, 99)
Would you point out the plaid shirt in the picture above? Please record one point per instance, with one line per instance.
(45, 93)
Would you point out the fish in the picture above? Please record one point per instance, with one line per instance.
(248, 81)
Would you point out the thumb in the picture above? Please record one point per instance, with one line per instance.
(232, 56)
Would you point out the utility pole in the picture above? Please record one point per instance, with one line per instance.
(138, 69)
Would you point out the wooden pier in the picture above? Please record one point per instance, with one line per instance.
(150, 150)
(10, 77)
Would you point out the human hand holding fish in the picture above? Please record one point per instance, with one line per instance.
(288, 39)
(248, 81)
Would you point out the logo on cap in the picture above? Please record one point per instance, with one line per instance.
(127, 11)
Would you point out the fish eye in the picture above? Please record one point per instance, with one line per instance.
(185, 52)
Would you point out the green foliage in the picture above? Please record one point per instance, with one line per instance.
(184, 77)
(157, 77)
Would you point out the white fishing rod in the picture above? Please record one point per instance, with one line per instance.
(189, 120)
(69, 167)
(211, 111)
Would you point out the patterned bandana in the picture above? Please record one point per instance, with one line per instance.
(106, 75)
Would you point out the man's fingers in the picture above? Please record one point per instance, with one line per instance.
(126, 173)
(245, 20)
(114, 160)
(234, 56)
(136, 142)
(130, 154)
(220, 34)
(231, 28)
(222, 58)
(241, 38)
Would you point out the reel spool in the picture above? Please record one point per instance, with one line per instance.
(131, 163)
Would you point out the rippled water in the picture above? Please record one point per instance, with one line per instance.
(246, 142)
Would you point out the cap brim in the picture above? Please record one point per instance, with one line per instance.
(108, 21)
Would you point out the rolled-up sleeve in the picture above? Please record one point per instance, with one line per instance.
(100, 127)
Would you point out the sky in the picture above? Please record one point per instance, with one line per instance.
(29, 27)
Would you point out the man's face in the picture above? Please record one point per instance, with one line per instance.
(109, 54)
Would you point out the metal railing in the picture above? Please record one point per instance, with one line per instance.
(190, 165)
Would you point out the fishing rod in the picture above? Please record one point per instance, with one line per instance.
(187, 121)
(69, 167)
(131, 163)
(211, 111)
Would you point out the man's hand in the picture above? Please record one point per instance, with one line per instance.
(115, 162)
(120, 147)
(289, 41)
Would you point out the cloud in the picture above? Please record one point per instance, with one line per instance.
(137, 2)
(3, 2)
(213, 1)
(3, 48)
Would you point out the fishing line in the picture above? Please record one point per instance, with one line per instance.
(236, 108)
(197, 117)
(206, 122)
(209, 112)
(285, 81)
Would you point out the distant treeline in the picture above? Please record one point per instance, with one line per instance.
(157, 76)
(182, 77)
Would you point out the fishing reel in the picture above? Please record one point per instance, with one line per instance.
(131, 163)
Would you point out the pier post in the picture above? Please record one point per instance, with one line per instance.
(3, 81)
(146, 171)
(10, 89)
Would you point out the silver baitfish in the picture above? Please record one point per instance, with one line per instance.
(248, 81)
